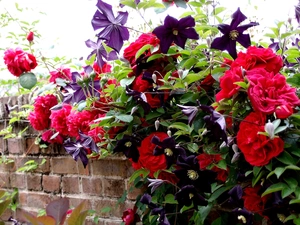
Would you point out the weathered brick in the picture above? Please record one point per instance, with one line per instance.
(116, 209)
(107, 167)
(113, 187)
(64, 165)
(34, 182)
(31, 147)
(45, 168)
(4, 180)
(113, 222)
(74, 202)
(3, 145)
(82, 170)
(18, 180)
(22, 198)
(92, 186)
(16, 145)
(38, 200)
(70, 185)
(134, 192)
(9, 167)
(6, 214)
(51, 183)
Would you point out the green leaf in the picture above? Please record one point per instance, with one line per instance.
(142, 50)
(203, 212)
(125, 118)
(126, 81)
(170, 199)
(256, 170)
(141, 172)
(27, 80)
(286, 158)
(189, 63)
(218, 192)
(292, 182)
(154, 56)
(180, 126)
(295, 201)
(273, 188)
(75, 215)
(286, 192)
(106, 209)
(294, 80)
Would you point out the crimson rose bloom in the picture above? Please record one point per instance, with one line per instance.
(141, 85)
(130, 217)
(40, 117)
(147, 160)
(144, 39)
(258, 149)
(227, 83)
(62, 73)
(46, 136)
(18, 61)
(59, 119)
(269, 93)
(30, 36)
(252, 201)
(205, 159)
(259, 58)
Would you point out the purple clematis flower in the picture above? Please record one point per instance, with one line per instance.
(155, 209)
(169, 148)
(78, 149)
(100, 52)
(128, 145)
(189, 111)
(297, 12)
(233, 33)
(177, 31)
(112, 29)
(188, 195)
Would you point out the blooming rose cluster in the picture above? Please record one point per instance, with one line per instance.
(269, 94)
(18, 61)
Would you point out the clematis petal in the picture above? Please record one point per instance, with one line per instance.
(99, 21)
(170, 22)
(244, 40)
(106, 10)
(237, 18)
(242, 28)
(224, 28)
(231, 48)
(220, 43)
(122, 18)
(185, 22)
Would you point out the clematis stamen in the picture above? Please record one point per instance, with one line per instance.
(128, 144)
(175, 32)
(168, 152)
(191, 195)
(234, 34)
(192, 174)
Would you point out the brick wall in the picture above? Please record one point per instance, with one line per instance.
(101, 183)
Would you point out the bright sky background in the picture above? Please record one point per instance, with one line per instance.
(68, 22)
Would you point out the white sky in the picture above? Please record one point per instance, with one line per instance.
(67, 24)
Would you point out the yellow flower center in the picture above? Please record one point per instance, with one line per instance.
(128, 144)
(242, 218)
(192, 174)
(233, 35)
(168, 152)
(175, 32)
(191, 195)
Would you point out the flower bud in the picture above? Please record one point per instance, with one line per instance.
(154, 78)
(133, 110)
(30, 36)
(169, 133)
(180, 73)
(156, 124)
(269, 128)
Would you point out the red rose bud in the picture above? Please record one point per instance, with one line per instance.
(30, 36)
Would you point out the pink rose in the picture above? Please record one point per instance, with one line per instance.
(62, 73)
(267, 92)
(46, 136)
(18, 61)
(59, 119)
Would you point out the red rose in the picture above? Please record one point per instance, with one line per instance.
(227, 83)
(144, 39)
(46, 136)
(205, 160)
(106, 68)
(207, 83)
(258, 149)
(268, 92)
(259, 58)
(141, 85)
(59, 119)
(18, 61)
(130, 217)
(80, 121)
(221, 174)
(252, 200)
(40, 117)
(30, 36)
(147, 160)
(62, 73)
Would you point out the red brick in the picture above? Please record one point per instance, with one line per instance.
(82, 170)
(116, 209)
(113, 222)
(23, 198)
(31, 147)
(65, 165)
(108, 167)
(70, 185)
(18, 180)
(113, 188)
(38, 200)
(92, 186)
(74, 202)
(45, 168)
(6, 214)
(16, 145)
(4, 180)
(9, 167)
(34, 182)
(51, 183)
(3, 145)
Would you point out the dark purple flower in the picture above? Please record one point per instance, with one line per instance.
(100, 52)
(112, 29)
(189, 173)
(215, 123)
(128, 145)
(155, 209)
(154, 184)
(235, 194)
(169, 148)
(78, 149)
(140, 99)
(233, 33)
(297, 12)
(188, 195)
(177, 31)
(189, 111)
(78, 90)
(244, 216)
